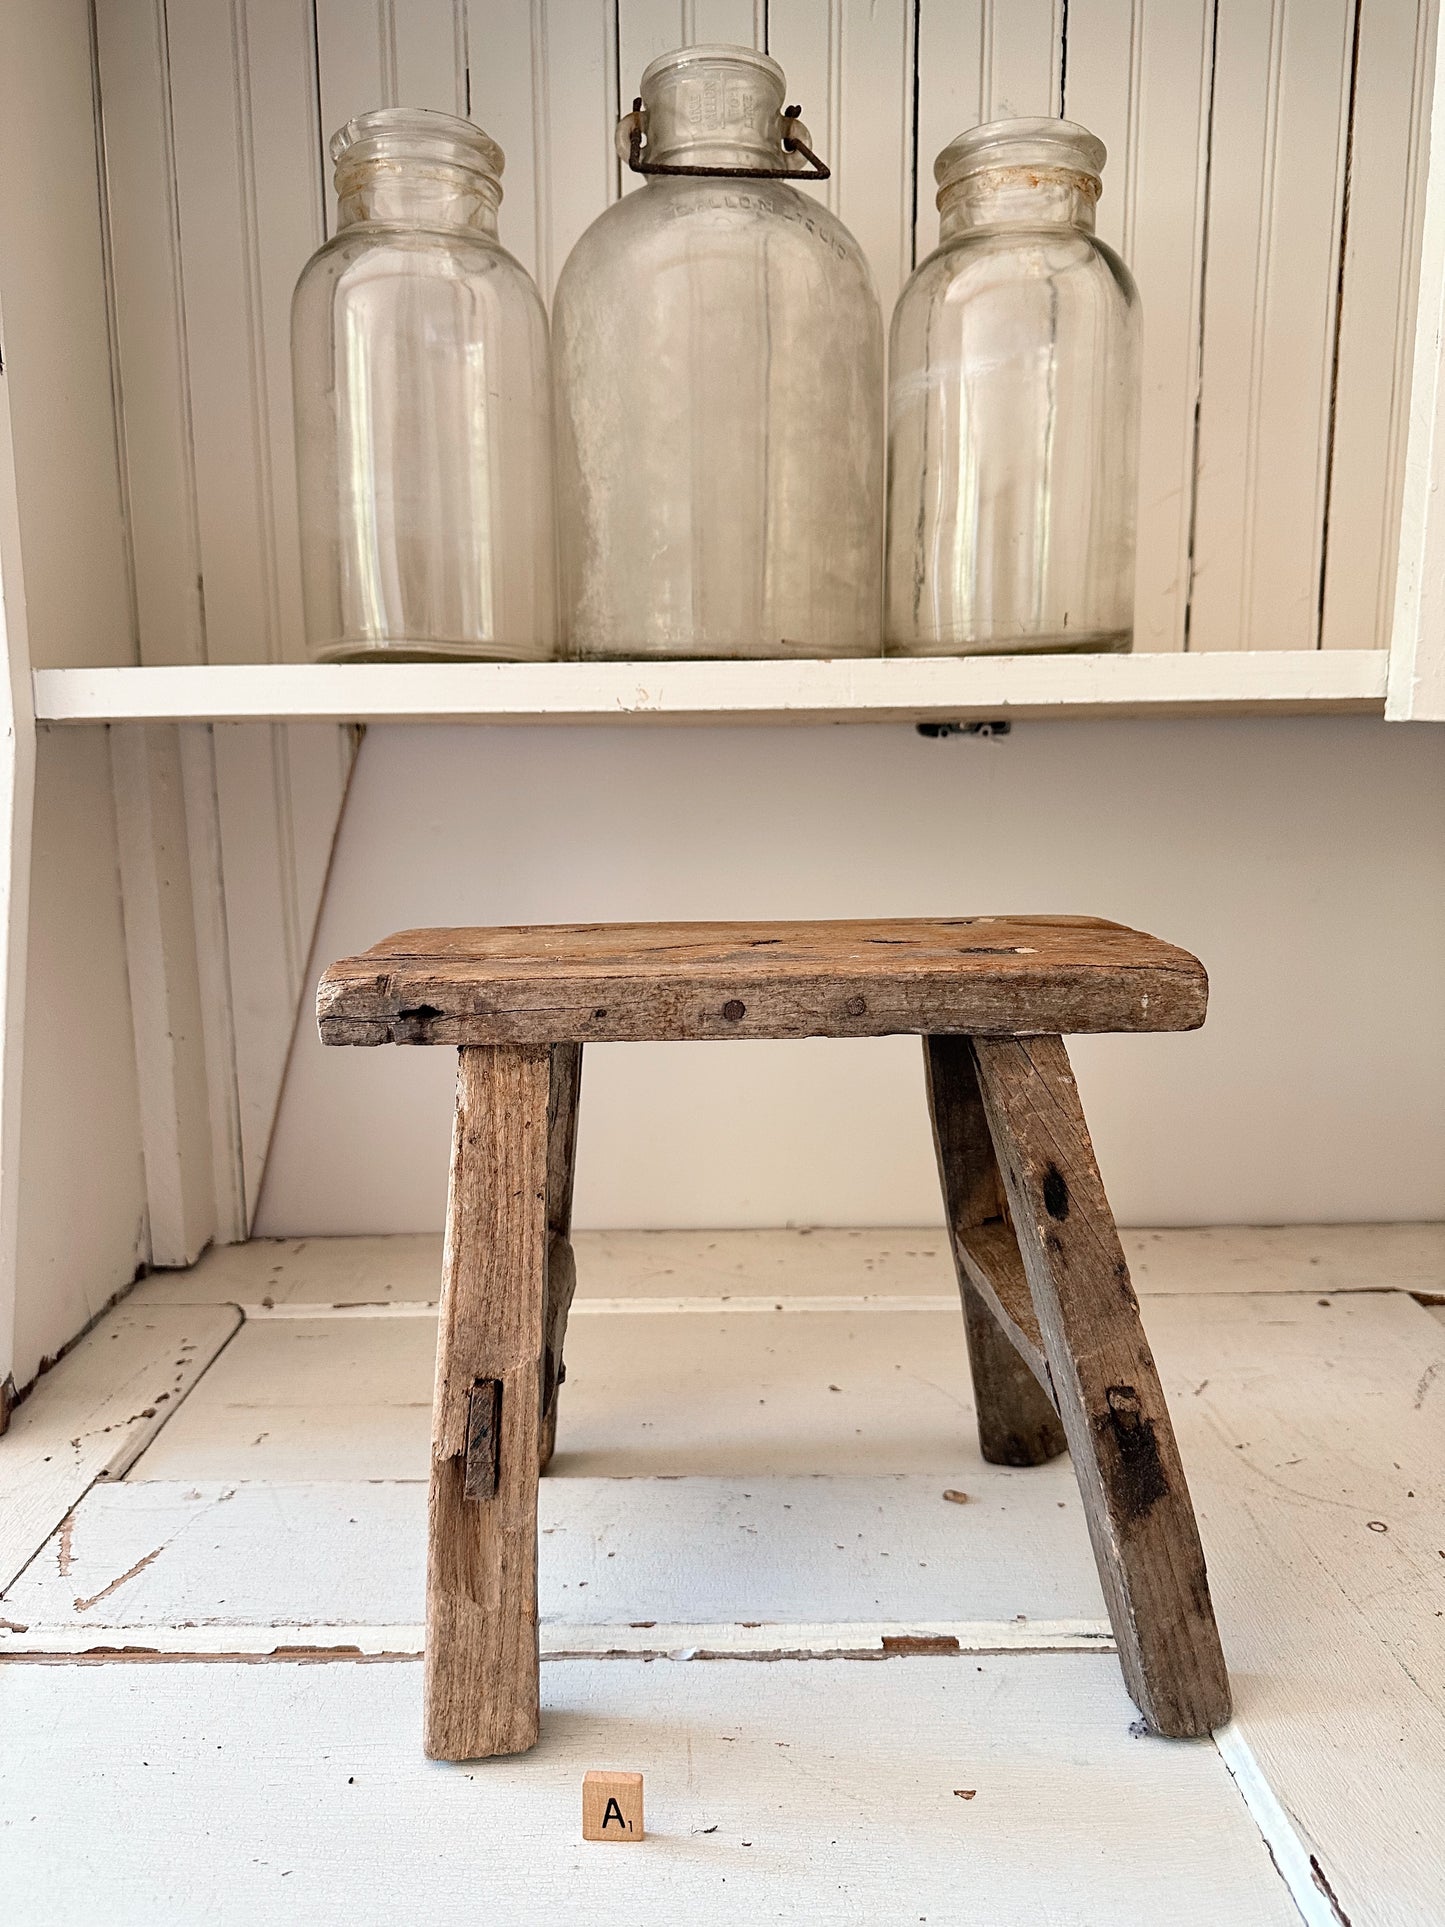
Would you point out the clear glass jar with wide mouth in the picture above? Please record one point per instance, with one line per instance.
(1013, 403)
(423, 408)
(719, 363)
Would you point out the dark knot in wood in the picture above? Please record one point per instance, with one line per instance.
(1056, 1194)
(1141, 1481)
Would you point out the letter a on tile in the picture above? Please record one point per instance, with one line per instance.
(612, 1806)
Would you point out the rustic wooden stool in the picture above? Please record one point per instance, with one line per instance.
(1058, 1353)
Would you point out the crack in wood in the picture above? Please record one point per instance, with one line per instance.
(1317, 1875)
(84, 1605)
(1427, 1379)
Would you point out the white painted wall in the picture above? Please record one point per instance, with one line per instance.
(80, 1203)
(1304, 860)
(82, 1181)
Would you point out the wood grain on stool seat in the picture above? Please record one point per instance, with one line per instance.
(578, 983)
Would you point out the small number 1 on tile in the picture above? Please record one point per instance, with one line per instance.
(611, 1806)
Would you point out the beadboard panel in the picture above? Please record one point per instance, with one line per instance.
(1278, 306)
(1140, 78)
(1282, 88)
(1316, 164)
(1278, 312)
(250, 195)
(542, 79)
(279, 791)
(981, 60)
(391, 53)
(151, 343)
(57, 347)
(215, 195)
(1268, 506)
(155, 876)
(509, 96)
(851, 68)
(1383, 219)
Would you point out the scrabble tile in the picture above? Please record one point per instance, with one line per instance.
(611, 1806)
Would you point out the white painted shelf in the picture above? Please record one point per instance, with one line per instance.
(944, 689)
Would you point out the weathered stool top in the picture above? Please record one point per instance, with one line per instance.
(609, 982)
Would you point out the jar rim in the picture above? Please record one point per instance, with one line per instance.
(1025, 142)
(713, 51)
(420, 134)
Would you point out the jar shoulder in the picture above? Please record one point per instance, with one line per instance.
(675, 220)
(372, 250)
(984, 258)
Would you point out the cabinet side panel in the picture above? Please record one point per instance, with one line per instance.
(83, 1230)
(17, 802)
(1375, 348)
(72, 1204)
(57, 341)
(1417, 634)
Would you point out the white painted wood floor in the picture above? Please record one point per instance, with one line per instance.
(211, 1547)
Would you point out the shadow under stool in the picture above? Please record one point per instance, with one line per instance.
(1058, 1354)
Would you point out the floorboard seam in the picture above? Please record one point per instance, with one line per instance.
(702, 1305)
(135, 1450)
(640, 1639)
(130, 1451)
(1297, 1866)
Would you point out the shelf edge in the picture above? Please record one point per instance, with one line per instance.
(1284, 682)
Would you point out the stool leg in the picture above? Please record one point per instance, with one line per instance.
(1141, 1521)
(561, 1279)
(1017, 1423)
(481, 1684)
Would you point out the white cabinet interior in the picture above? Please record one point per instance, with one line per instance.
(1267, 183)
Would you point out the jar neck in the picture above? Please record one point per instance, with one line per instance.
(714, 113)
(1018, 197)
(412, 194)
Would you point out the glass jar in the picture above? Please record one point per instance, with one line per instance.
(1013, 405)
(423, 408)
(719, 358)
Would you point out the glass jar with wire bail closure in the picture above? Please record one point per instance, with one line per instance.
(1013, 403)
(423, 408)
(719, 363)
